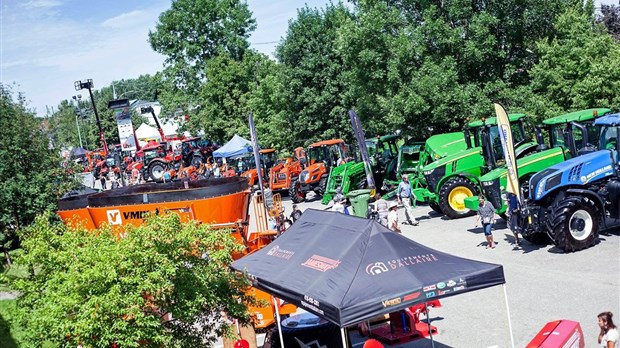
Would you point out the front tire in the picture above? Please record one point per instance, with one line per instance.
(156, 170)
(295, 192)
(452, 197)
(436, 208)
(320, 189)
(574, 223)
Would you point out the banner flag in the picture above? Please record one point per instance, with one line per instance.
(125, 129)
(361, 143)
(256, 149)
(505, 134)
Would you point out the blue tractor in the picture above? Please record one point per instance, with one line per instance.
(570, 201)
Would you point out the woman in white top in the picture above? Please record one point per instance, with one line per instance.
(608, 337)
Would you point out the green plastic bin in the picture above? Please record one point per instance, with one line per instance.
(359, 201)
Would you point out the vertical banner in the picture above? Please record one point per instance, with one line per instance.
(505, 134)
(361, 143)
(125, 129)
(256, 149)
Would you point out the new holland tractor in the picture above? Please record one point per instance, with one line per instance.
(452, 179)
(571, 201)
(569, 135)
(382, 151)
(321, 157)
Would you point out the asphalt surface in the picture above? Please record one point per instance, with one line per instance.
(542, 283)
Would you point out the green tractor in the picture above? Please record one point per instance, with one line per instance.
(351, 175)
(452, 179)
(568, 136)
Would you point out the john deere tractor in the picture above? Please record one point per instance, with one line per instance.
(452, 179)
(571, 201)
(321, 157)
(569, 135)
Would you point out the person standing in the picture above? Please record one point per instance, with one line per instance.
(392, 218)
(608, 337)
(404, 197)
(486, 215)
(381, 209)
(338, 204)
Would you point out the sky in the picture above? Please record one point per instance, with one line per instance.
(47, 45)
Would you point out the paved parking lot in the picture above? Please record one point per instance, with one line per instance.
(543, 284)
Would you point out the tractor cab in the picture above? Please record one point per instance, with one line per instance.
(492, 150)
(246, 165)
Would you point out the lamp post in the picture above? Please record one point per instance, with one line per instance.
(79, 85)
(77, 100)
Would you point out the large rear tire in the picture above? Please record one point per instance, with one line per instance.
(320, 189)
(452, 197)
(156, 170)
(575, 223)
(295, 192)
(435, 207)
(196, 161)
(538, 238)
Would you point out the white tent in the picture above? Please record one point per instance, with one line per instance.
(147, 132)
(170, 129)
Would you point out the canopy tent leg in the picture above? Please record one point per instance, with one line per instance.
(275, 303)
(430, 329)
(344, 341)
(512, 340)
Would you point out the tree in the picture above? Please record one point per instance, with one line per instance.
(192, 32)
(164, 284)
(313, 73)
(579, 67)
(31, 172)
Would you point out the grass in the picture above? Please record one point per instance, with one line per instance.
(12, 271)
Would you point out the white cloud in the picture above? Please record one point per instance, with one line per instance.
(125, 20)
(40, 4)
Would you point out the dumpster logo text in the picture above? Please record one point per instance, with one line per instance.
(321, 263)
(114, 217)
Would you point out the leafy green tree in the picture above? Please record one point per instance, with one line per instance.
(313, 73)
(191, 33)
(31, 172)
(579, 67)
(224, 99)
(164, 284)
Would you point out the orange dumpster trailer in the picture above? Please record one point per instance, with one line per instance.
(220, 202)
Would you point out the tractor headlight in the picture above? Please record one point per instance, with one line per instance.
(303, 176)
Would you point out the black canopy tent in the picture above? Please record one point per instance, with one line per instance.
(348, 269)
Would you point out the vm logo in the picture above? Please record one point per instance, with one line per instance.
(114, 217)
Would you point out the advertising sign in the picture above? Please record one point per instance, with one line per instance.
(125, 129)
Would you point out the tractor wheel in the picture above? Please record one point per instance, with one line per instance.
(320, 189)
(575, 223)
(295, 192)
(156, 170)
(436, 208)
(452, 196)
(196, 161)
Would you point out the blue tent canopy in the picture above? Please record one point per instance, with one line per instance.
(235, 147)
(78, 152)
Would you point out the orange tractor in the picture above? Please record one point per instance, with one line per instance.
(283, 172)
(268, 158)
(321, 157)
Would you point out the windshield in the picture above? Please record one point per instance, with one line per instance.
(317, 154)
(518, 137)
(609, 138)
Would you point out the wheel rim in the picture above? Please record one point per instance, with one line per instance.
(157, 172)
(457, 196)
(580, 224)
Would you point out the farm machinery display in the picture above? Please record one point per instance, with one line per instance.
(452, 179)
(268, 158)
(571, 201)
(569, 135)
(321, 157)
(351, 175)
(282, 173)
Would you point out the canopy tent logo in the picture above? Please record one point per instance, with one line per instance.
(321, 263)
(376, 268)
(281, 253)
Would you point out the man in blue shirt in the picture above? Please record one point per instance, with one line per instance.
(404, 196)
(513, 207)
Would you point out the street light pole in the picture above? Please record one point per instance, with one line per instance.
(77, 98)
(79, 85)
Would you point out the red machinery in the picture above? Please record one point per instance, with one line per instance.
(557, 334)
(405, 325)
